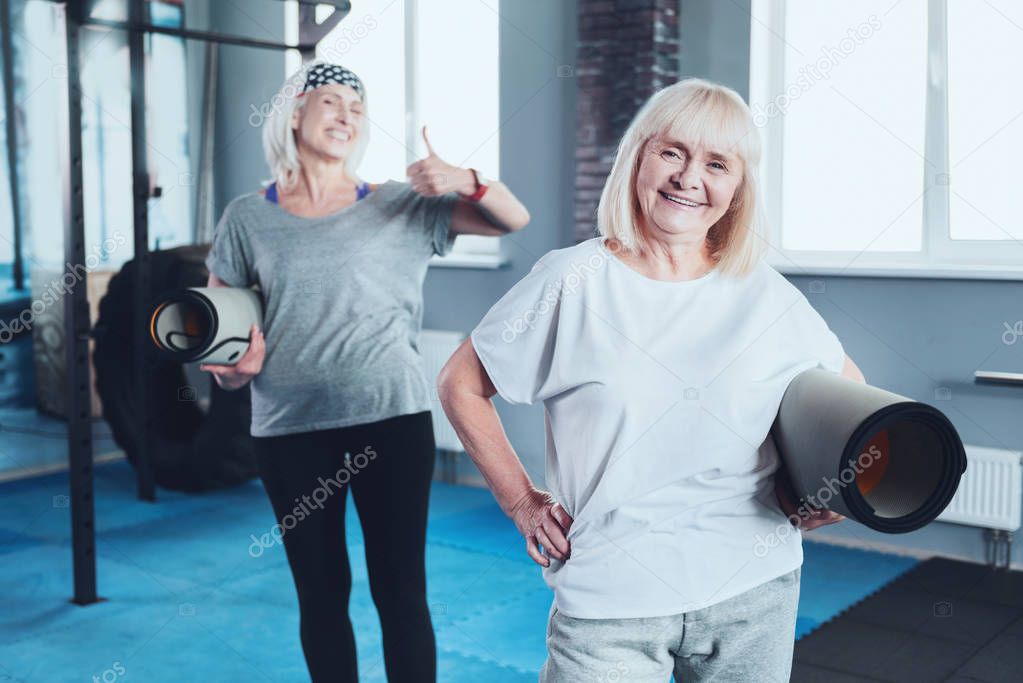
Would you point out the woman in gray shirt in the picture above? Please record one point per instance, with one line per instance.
(339, 396)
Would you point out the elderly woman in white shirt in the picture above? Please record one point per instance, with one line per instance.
(661, 350)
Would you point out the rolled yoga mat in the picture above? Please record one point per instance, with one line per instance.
(883, 460)
(205, 324)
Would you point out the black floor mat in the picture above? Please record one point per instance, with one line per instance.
(943, 620)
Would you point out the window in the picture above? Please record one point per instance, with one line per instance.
(884, 152)
(41, 101)
(106, 136)
(106, 146)
(433, 64)
(985, 130)
(167, 98)
(6, 209)
(40, 89)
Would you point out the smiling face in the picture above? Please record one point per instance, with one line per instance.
(684, 190)
(329, 122)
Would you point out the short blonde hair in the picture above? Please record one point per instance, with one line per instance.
(279, 144)
(705, 114)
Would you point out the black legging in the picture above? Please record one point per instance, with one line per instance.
(389, 469)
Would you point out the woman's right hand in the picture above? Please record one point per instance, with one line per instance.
(231, 377)
(542, 521)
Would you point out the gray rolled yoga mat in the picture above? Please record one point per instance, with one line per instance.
(883, 460)
(205, 324)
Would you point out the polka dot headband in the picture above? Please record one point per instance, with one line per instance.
(323, 74)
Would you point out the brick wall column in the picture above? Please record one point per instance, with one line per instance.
(628, 50)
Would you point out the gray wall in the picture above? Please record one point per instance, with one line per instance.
(248, 77)
(910, 336)
(715, 45)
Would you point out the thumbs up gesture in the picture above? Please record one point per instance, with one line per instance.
(432, 176)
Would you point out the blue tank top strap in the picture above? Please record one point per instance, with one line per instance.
(271, 192)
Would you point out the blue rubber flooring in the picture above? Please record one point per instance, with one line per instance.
(183, 598)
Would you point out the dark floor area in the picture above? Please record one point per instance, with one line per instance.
(943, 620)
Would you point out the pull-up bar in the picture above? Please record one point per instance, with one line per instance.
(311, 32)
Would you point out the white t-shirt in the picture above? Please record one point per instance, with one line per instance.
(658, 400)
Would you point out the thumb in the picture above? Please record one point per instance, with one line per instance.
(429, 147)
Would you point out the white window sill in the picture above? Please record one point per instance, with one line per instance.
(953, 271)
(481, 261)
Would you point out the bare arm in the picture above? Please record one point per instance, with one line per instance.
(852, 371)
(465, 392)
(499, 212)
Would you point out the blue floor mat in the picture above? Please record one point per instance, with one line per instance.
(186, 595)
(834, 577)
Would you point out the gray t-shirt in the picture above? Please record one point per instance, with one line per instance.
(343, 304)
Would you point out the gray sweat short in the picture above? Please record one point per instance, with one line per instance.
(747, 638)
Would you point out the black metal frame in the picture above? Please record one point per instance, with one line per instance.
(76, 340)
(76, 314)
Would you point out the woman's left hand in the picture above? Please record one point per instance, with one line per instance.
(808, 517)
(433, 177)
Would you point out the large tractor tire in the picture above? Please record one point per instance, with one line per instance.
(192, 448)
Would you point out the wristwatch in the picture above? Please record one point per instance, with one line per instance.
(481, 186)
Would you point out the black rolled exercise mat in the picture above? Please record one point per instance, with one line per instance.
(880, 459)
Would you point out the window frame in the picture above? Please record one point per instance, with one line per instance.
(940, 256)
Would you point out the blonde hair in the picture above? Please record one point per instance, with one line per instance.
(279, 144)
(704, 114)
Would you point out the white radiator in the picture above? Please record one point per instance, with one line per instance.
(436, 347)
(990, 493)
